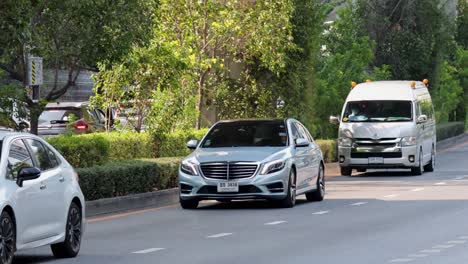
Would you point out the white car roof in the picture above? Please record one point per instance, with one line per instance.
(4, 132)
(386, 90)
(67, 104)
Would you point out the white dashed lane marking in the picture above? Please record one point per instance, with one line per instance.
(417, 189)
(418, 255)
(440, 183)
(276, 223)
(149, 250)
(462, 237)
(430, 251)
(443, 246)
(321, 212)
(456, 242)
(459, 178)
(390, 195)
(219, 235)
(358, 203)
(401, 260)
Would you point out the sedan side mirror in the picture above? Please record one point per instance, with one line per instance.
(192, 144)
(422, 119)
(334, 120)
(27, 174)
(302, 142)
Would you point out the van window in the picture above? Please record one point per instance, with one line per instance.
(378, 111)
(427, 109)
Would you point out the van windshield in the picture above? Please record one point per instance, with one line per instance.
(378, 111)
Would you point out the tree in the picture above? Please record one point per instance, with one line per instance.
(70, 35)
(210, 33)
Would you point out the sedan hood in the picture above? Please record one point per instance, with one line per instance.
(377, 130)
(250, 154)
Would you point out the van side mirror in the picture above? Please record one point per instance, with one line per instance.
(422, 119)
(335, 120)
(192, 144)
(27, 174)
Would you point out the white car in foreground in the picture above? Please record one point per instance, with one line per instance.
(41, 201)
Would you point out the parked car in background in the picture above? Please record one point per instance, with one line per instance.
(253, 159)
(387, 124)
(75, 117)
(41, 201)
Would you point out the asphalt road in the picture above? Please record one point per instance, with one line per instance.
(378, 217)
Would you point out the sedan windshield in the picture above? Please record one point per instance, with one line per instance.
(247, 134)
(378, 111)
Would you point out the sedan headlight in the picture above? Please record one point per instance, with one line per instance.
(345, 142)
(189, 167)
(273, 166)
(408, 141)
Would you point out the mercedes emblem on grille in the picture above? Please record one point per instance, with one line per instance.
(376, 136)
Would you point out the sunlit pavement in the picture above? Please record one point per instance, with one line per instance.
(375, 217)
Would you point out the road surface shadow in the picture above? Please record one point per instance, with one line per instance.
(29, 259)
(246, 205)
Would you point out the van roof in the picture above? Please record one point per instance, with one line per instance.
(387, 90)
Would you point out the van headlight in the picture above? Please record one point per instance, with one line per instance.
(189, 167)
(345, 142)
(408, 141)
(273, 166)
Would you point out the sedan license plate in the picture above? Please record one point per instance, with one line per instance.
(228, 187)
(376, 160)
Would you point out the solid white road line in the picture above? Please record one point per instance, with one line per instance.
(146, 251)
(321, 212)
(440, 183)
(390, 195)
(430, 251)
(401, 260)
(417, 189)
(358, 203)
(418, 255)
(275, 223)
(456, 242)
(459, 178)
(219, 235)
(443, 246)
(462, 237)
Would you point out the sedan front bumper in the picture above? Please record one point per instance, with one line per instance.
(272, 186)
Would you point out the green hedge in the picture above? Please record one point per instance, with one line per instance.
(128, 177)
(83, 150)
(451, 129)
(175, 143)
(329, 149)
(130, 145)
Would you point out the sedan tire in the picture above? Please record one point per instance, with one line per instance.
(290, 199)
(188, 204)
(73, 234)
(319, 193)
(7, 238)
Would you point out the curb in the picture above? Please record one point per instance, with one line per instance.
(449, 142)
(132, 202)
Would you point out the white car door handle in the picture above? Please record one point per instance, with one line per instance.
(42, 187)
(62, 179)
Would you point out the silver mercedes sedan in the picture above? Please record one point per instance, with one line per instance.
(253, 159)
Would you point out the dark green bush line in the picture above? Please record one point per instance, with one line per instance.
(128, 177)
(451, 129)
(329, 149)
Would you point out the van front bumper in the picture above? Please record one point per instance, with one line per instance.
(408, 158)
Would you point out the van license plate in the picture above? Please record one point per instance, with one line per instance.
(376, 160)
(228, 187)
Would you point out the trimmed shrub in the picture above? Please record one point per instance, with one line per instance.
(329, 149)
(83, 150)
(451, 129)
(174, 143)
(128, 177)
(130, 145)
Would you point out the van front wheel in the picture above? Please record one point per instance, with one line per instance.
(419, 169)
(346, 171)
(431, 165)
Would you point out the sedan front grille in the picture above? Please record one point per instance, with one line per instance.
(226, 171)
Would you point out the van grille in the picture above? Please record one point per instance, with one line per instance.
(237, 170)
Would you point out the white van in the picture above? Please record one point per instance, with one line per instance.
(387, 124)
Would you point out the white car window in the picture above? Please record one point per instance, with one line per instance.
(18, 158)
(41, 155)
